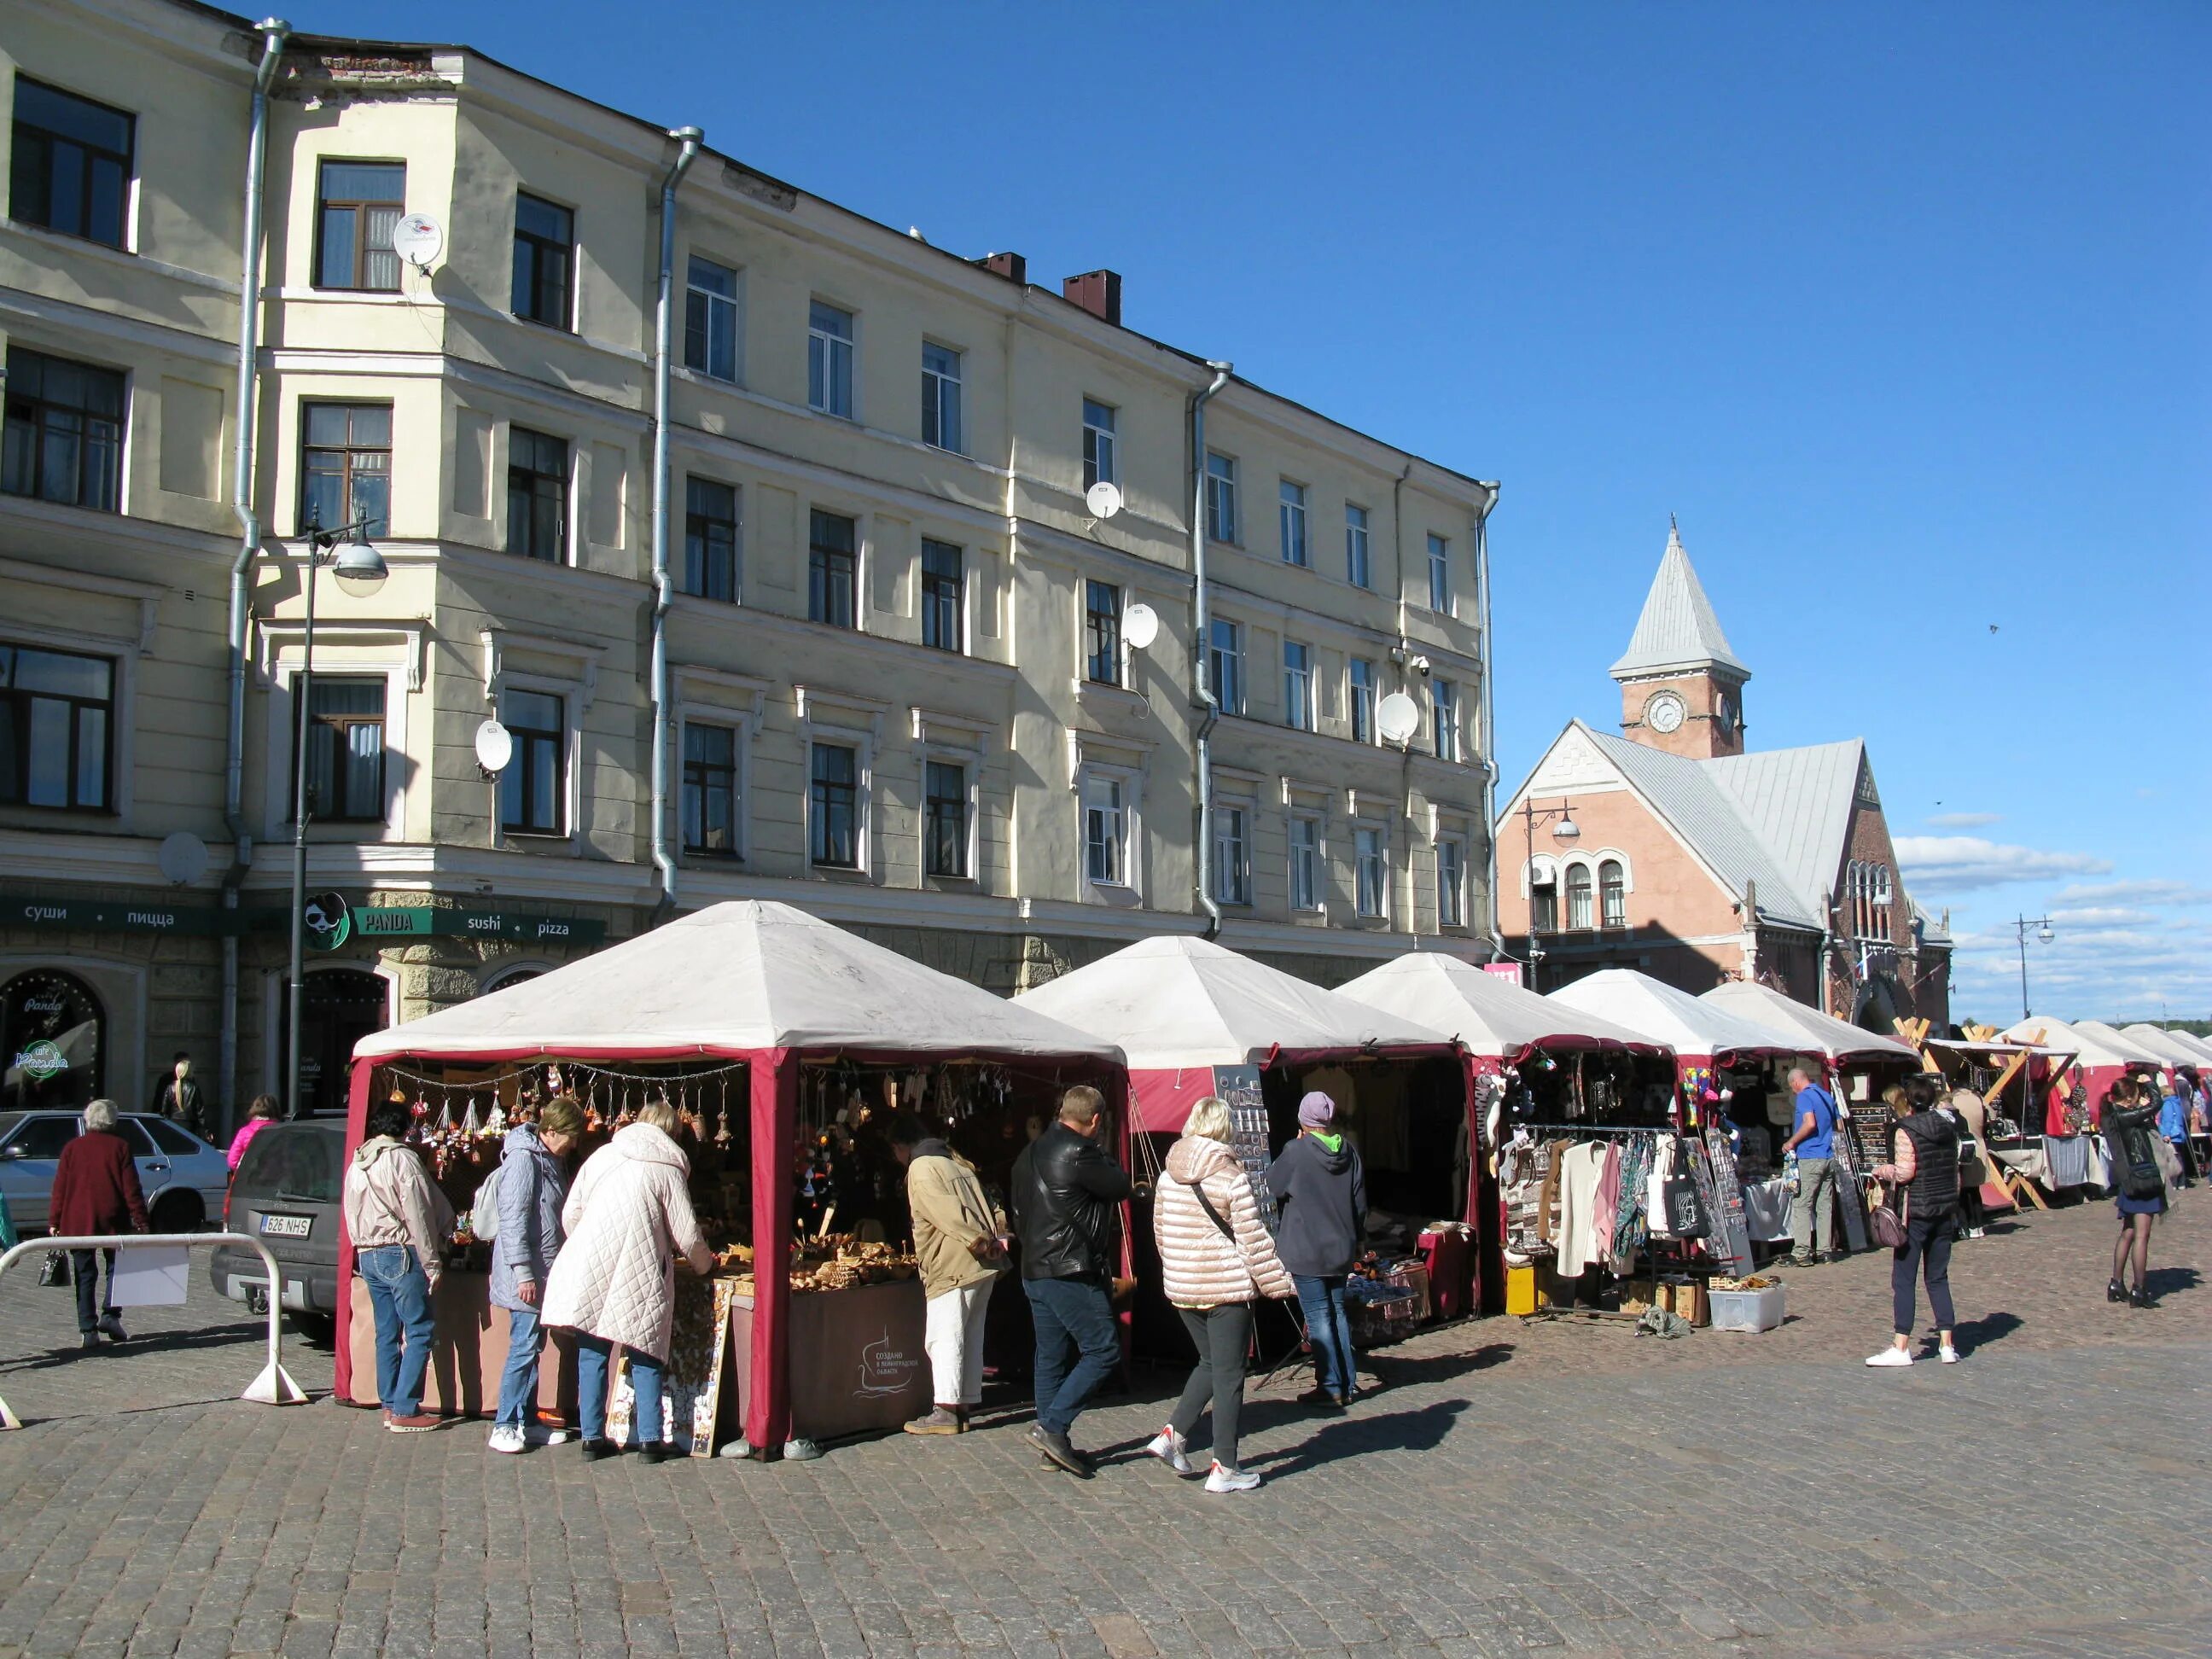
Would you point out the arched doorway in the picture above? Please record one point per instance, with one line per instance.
(338, 1006)
(1881, 1004)
(53, 1034)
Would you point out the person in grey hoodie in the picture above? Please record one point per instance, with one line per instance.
(398, 1222)
(1321, 1191)
(533, 1184)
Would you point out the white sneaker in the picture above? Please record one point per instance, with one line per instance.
(1891, 1357)
(1225, 1479)
(1167, 1446)
(1947, 1354)
(507, 1438)
(537, 1434)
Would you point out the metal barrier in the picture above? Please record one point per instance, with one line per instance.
(273, 1387)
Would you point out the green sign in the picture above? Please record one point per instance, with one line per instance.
(107, 916)
(394, 921)
(330, 921)
(41, 1061)
(422, 922)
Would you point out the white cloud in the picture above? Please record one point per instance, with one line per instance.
(1963, 864)
(2133, 892)
(2102, 916)
(1965, 820)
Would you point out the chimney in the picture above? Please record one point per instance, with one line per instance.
(1012, 266)
(1098, 292)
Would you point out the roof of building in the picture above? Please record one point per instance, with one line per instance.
(1677, 630)
(1798, 802)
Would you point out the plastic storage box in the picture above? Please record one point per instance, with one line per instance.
(1748, 1310)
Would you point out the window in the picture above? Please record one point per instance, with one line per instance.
(537, 496)
(1220, 496)
(829, 359)
(1291, 514)
(940, 397)
(1361, 676)
(1297, 685)
(1101, 626)
(710, 319)
(1225, 666)
(710, 790)
(64, 440)
(345, 465)
(47, 1005)
(1233, 855)
(945, 820)
(533, 791)
(1440, 575)
(1370, 872)
(1543, 901)
(1578, 896)
(345, 750)
(710, 539)
(1451, 884)
(1305, 864)
(57, 733)
(1612, 893)
(830, 566)
(72, 171)
(942, 585)
(544, 259)
(1444, 695)
(834, 826)
(1101, 464)
(357, 205)
(1105, 831)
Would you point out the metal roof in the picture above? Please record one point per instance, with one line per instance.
(1678, 629)
(1798, 802)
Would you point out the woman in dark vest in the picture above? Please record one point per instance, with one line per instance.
(1926, 1162)
(2138, 1184)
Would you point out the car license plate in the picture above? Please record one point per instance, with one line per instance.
(288, 1226)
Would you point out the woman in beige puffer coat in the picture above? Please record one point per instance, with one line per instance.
(1216, 1258)
(614, 1283)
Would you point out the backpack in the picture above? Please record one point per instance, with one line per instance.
(483, 1209)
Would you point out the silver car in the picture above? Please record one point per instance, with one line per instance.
(184, 1178)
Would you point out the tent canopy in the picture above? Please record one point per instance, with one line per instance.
(1692, 1029)
(1178, 1001)
(1814, 1032)
(2084, 1042)
(733, 979)
(2166, 1045)
(1491, 1015)
(2197, 1047)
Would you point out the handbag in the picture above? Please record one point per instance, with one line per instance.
(1884, 1224)
(54, 1270)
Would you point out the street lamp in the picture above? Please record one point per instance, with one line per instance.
(361, 571)
(1565, 829)
(2044, 935)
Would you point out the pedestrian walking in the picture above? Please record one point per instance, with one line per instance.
(959, 1240)
(179, 1098)
(1812, 1210)
(1319, 1188)
(1216, 1258)
(261, 1113)
(1925, 1161)
(96, 1192)
(2138, 1187)
(533, 1182)
(1064, 1191)
(627, 1218)
(2173, 1125)
(399, 1223)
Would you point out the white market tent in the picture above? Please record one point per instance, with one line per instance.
(2197, 1048)
(1697, 1031)
(2086, 1042)
(2116, 1040)
(1492, 1017)
(1814, 1032)
(2165, 1046)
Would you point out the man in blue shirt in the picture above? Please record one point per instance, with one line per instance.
(1813, 1139)
(2174, 1124)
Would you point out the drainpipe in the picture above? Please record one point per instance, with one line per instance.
(274, 33)
(1489, 720)
(664, 857)
(1398, 557)
(1201, 629)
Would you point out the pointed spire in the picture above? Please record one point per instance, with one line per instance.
(1678, 632)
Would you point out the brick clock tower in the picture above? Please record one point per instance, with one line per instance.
(1681, 687)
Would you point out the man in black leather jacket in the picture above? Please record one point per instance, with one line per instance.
(1065, 1195)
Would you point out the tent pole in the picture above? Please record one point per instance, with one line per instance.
(774, 1073)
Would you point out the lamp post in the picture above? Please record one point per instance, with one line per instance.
(2044, 935)
(1565, 829)
(361, 571)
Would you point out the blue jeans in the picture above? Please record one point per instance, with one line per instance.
(518, 1383)
(400, 1298)
(1078, 1311)
(593, 1357)
(1328, 1331)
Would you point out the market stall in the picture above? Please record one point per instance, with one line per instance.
(2034, 1106)
(786, 1043)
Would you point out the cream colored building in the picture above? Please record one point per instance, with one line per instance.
(900, 689)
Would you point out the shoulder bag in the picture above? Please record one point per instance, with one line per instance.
(1884, 1224)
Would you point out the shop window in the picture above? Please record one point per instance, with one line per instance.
(710, 790)
(942, 586)
(1578, 896)
(710, 319)
(710, 539)
(537, 496)
(357, 205)
(345, 749)
(534, 790)
(54, 1042)
(345, 465)
(1101, 624)
(63, 436)
(57, 730)
(832, 563)
(70, 169)
(945, 821)
(544, 261)
(1612, 893)
(338, 1006)
(834, 821)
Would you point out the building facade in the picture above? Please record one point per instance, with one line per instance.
(908, 668)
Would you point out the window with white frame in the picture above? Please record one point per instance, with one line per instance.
(1443, 696)
(1578, 897)
(1356, 565)
(345, 749)
(1220, 496)
(1232, 854)
(940, 397)
(1371, 870)
(710, 802)
(1102, 632)
(1105, 830)
(534, 790)
(1451, 883)
(1297, 685)
(710, 319)
(1612, 893)
(1360, 676)
(1305, 864)
(945, 821)
(357, 203)
(1291, 514)
(830, 337)
(943, 589)
(1101, 461)
(834, 801)
(1440, 575)
(1225, 665)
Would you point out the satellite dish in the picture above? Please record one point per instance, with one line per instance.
(495, 747)
(1140, 625)
(1104, 499)
(1398, 717)
(418, 238)
(184, 857)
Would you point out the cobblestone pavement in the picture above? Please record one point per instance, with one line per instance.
(1562, 1486)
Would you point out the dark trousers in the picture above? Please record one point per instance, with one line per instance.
(1070, 1313)
(91, 1306)
(1927, 1239)
(1223, 1336)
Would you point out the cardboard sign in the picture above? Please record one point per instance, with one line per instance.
(151, 1278)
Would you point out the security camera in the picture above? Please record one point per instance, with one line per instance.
(1421, 666)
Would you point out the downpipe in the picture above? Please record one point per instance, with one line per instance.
(1489, 738)
(664, 856)
(1201, 619)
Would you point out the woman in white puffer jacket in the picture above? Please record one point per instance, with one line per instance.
(1216, 1259)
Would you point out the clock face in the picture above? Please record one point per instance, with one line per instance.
(1664, 712)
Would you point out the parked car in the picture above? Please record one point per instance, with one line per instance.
(182, 1175)
(286, 1195)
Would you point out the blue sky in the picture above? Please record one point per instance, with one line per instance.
(1905, 311)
